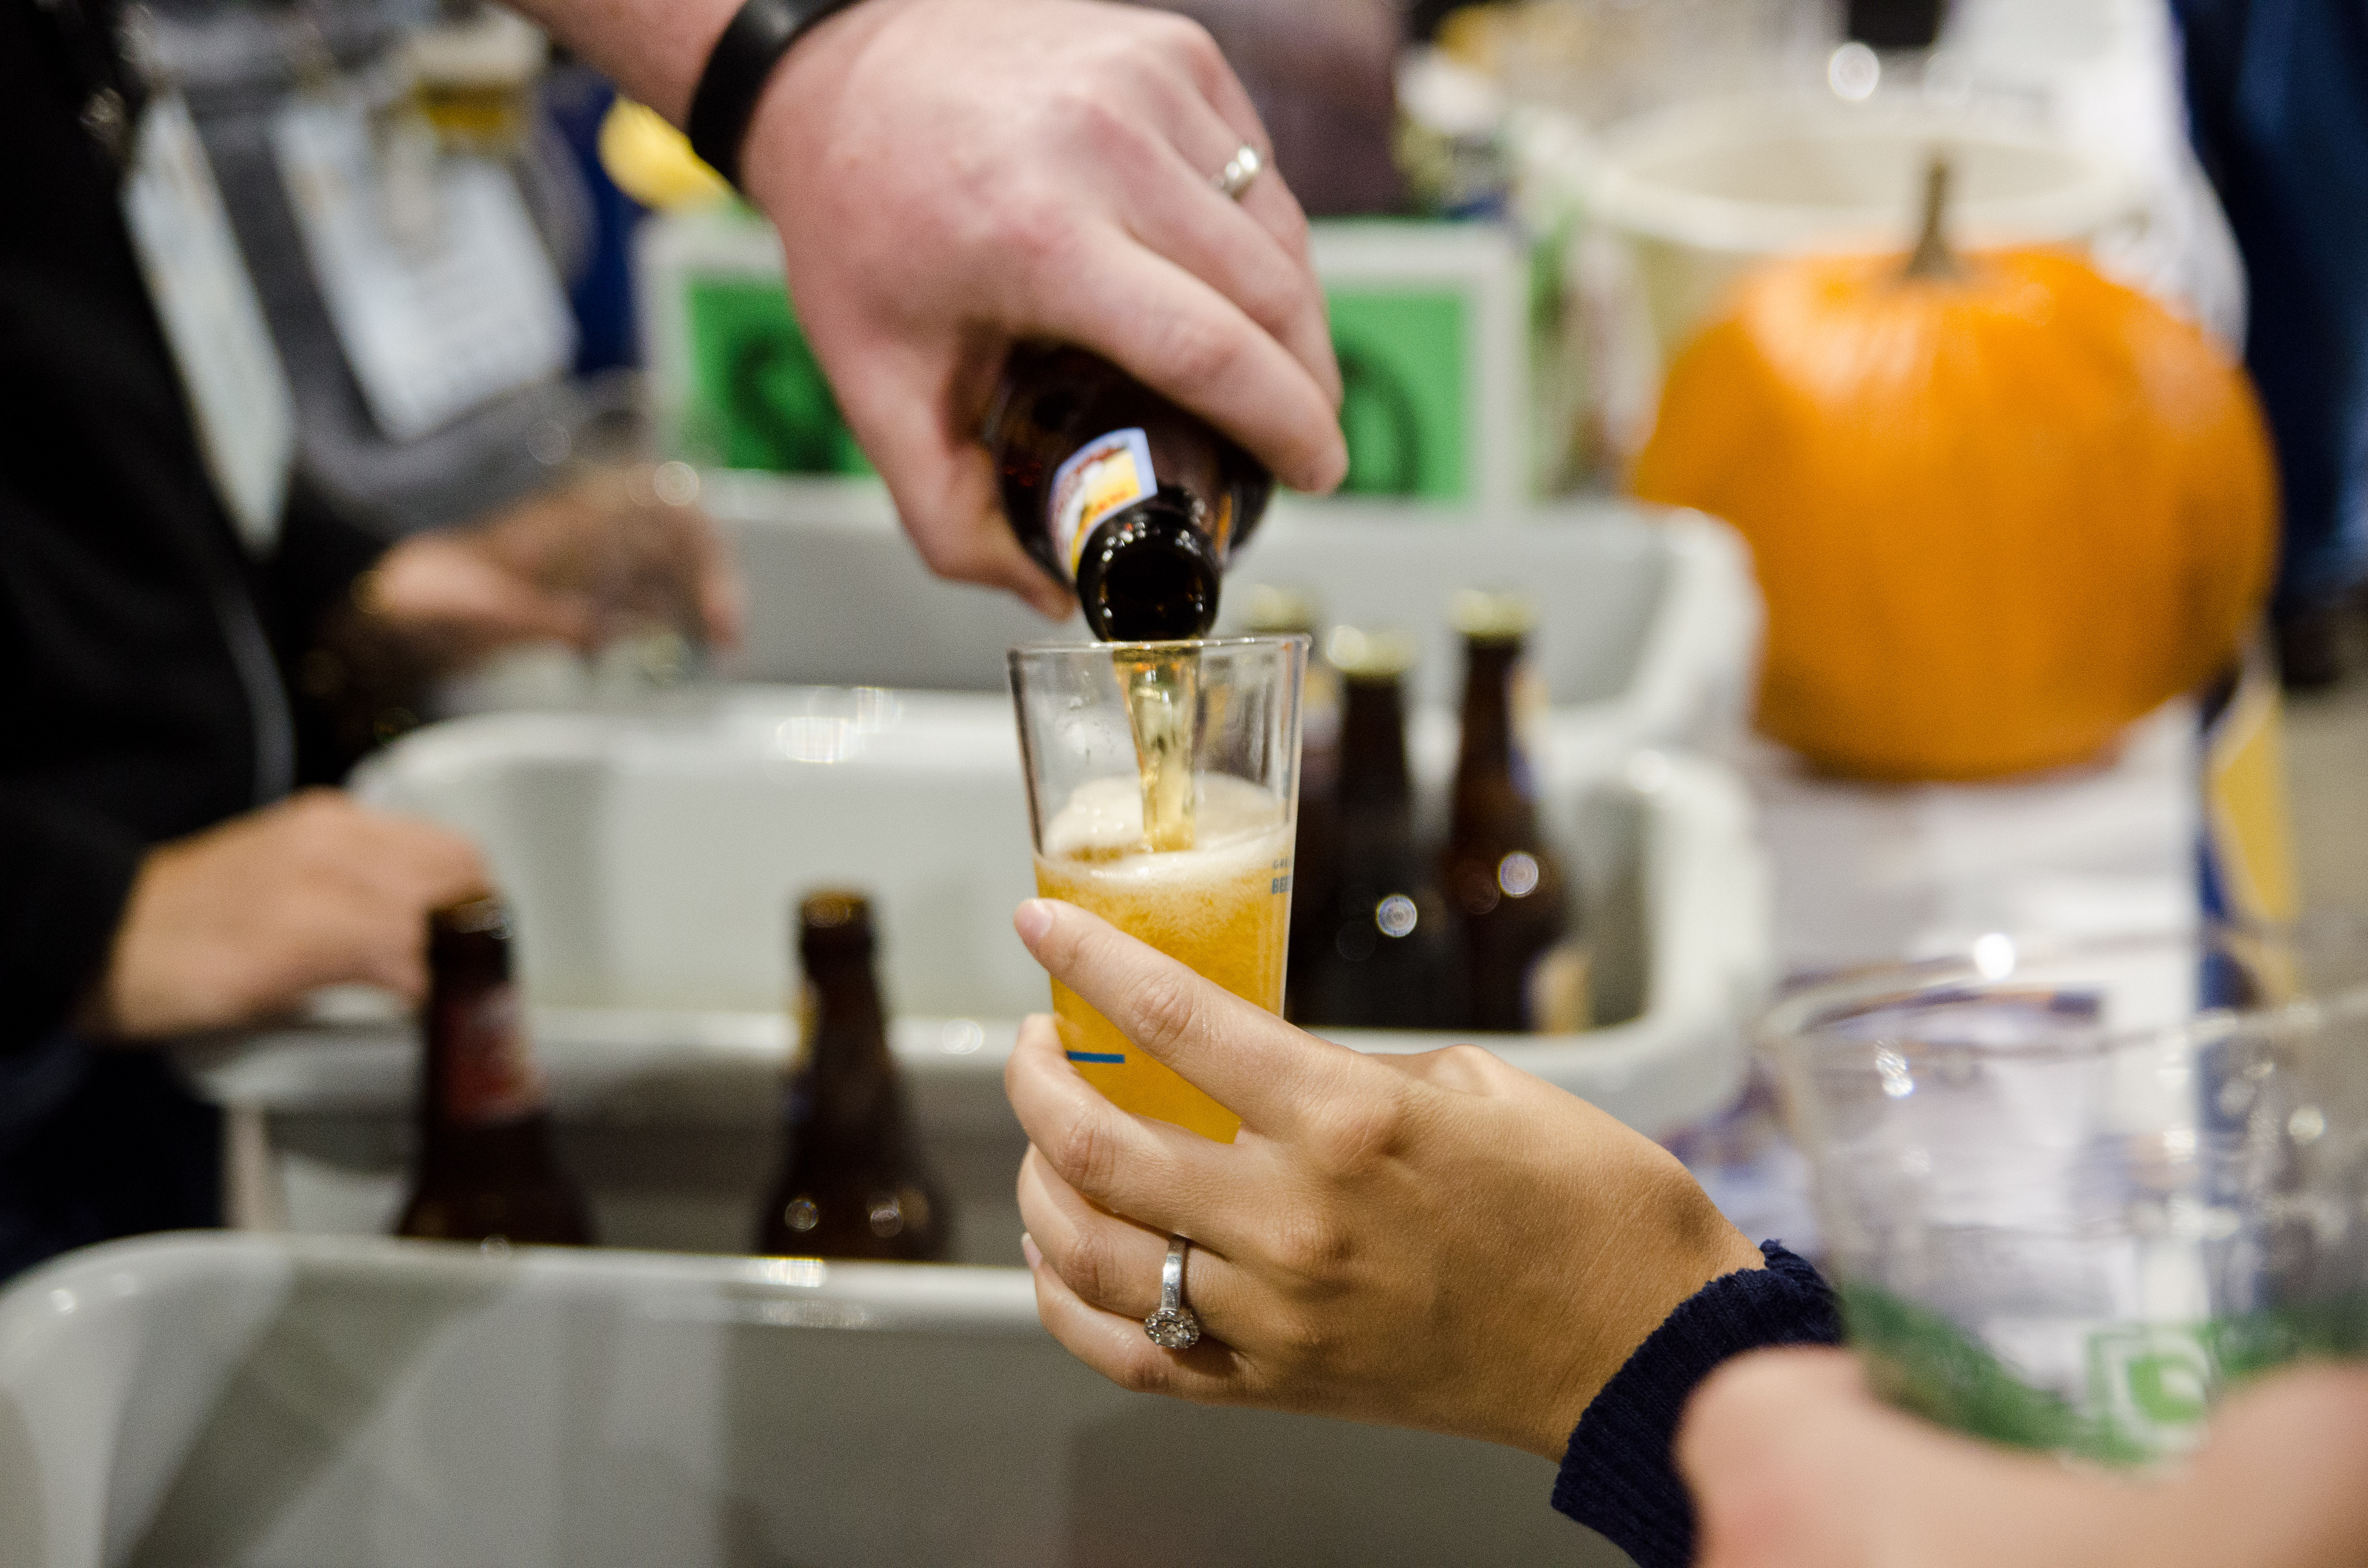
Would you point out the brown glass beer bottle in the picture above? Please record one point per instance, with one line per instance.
(1136, 503)
(1383, 953)
(1507, 888)
(853, 1183)
(486, 1166)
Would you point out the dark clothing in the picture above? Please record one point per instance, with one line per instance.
(2278, 105)
(140, 647)
(110, 1145)
(1620, 1476)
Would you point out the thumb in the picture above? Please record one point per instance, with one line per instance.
(943, 482)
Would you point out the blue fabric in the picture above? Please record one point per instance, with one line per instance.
(607, 336)
(1620, 1476)
(2278, 105)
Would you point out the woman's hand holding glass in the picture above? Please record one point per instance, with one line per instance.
(1437, 1241)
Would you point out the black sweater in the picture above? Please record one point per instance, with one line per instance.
(1620, 1476)
(127, 603)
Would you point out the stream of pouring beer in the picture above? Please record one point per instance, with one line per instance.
(1162, 697)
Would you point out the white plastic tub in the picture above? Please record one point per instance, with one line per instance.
(652, 859)
(244, 1401)
(1650, 618)
(1703, 191)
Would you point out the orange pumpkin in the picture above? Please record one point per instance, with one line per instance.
(2000, 507)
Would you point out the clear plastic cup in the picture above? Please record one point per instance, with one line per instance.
(2071, 1195)
(1218, 900)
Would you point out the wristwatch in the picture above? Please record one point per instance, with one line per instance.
(759, 33)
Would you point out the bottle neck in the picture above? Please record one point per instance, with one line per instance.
(1151, 573)
(849, 1026)
(1373, 775)
(1488, 771)
(479, 1074)
(846, 1095)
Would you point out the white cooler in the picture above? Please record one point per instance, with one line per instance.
(247, 1401)
(652, 859)
(1648, 632)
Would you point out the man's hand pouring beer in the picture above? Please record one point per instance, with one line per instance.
(1436, 1241)
(950, 176)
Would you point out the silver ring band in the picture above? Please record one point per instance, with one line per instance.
(1173, 1327)
(1237, 175)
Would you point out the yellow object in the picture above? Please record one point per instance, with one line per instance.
(2001, 507)
(2245, 802)
(475, 77)
(1223, 911)
(1479, 36)
(652, 162)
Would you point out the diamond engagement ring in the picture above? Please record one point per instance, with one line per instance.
(1173, 1327)
(1237, 175)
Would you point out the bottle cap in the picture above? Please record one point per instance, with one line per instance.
(1489, 617)
(1276, 607)
(834, 910)
(1382, 654)
(486, 912)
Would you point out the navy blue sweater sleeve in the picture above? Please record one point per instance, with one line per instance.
(1620, 1476)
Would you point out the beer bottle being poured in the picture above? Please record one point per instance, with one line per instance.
(1136, 503)
(853, 1183)
(1382, 950)
(486, 1170)
(1506, 885)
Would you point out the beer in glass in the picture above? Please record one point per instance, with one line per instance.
(1171, 816)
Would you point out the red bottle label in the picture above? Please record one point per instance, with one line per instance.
(490, 1074)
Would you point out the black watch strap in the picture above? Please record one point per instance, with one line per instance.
(759, 33)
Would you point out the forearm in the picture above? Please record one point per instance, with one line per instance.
(654, 49)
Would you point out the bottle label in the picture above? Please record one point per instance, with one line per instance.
(490, 1074)
(1106, 473)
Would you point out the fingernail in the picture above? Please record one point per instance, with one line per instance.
(1028, 1250)
(1033, 919)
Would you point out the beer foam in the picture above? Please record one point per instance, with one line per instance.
(1102, 824)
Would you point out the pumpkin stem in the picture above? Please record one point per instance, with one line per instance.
(1933, 259)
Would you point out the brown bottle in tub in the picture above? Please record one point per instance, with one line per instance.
(1504, 884)
(853, 1182)
(486, 1171)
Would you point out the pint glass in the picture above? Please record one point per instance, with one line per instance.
(1216, 898)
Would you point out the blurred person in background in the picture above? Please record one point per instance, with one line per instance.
(1445, 1241)
(949, 176)
(2277, 96)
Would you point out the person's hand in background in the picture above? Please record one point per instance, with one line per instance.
(1794, 1465)
(619, 550)
(1437, 1241)
(239, 923)
(950, 176)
